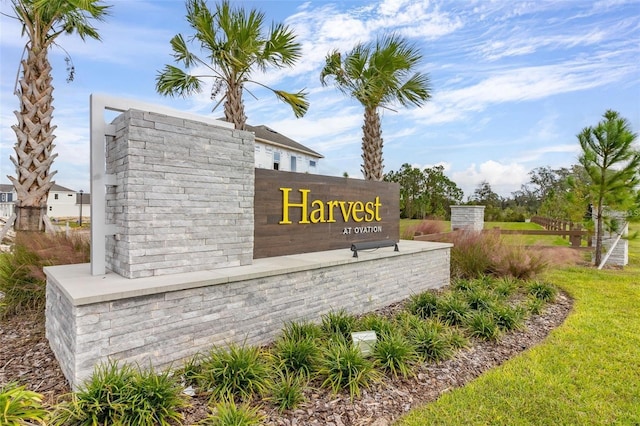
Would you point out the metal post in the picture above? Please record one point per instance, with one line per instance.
(80, 221)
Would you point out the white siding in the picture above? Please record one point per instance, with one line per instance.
(264, 159)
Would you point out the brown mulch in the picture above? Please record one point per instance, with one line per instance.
(25, 357)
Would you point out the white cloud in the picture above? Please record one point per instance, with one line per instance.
(503, 178)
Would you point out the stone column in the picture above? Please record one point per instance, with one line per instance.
(467, 217)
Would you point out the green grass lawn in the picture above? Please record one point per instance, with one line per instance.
(586, 372)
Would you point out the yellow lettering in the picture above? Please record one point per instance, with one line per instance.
(370, 213)
(286, 205)
(378, 204)
(346, 213)
(317, 215)
(358, 207)
(330, 206)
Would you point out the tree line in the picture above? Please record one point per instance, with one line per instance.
(606, 177)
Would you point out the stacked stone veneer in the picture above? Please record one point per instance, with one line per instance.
(470, 218)
(183, 199)
(168, 326)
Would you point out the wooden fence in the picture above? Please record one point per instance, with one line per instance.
(553, 227)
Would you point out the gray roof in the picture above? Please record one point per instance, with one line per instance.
(58, 188)
(268, 135)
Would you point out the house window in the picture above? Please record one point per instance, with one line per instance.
(257, 148)
(293, 163)
(55, 196)
(276, 161)
(312, 163)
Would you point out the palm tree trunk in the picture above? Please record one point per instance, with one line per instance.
(372, 145)
(234, 107)
(34, 143)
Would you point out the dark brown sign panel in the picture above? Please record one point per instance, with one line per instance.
(302, 213)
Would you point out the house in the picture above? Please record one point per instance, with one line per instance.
(62, 202)
(275, 151)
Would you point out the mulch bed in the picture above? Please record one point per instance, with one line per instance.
(25, 357)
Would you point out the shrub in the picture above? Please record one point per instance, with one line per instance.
(427, 227)
(430, 342)
(395, 354)
(456, 339)
(383, 326)
(301, 330)
(227, 413)
(296, 356)
(423, 305)
(19, 406)
(406, 321)
(519, 262)
(338, 322)
(542, 291)
(238, 371)
(464, 284)
(191, 371)
(480, 299)
(508, 318)
(286, 391)
(504, 287)
(452, 309)
(483, 325)
(534, 305)
(471, 254)
(123, 395)
(22, 280)
(476, 254)
(344, 367)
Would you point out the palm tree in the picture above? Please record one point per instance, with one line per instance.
(235, 47)
(42, 21)
(378, 75)
(613, 165)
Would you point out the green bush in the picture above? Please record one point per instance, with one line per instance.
(287, 390)
(19, 406)
(430, 342)
(423, 305)
(339, 322)
(534, 305)
(483, 325)
(395, 354)
(238, 371)
(479, 299)
(504, 287)
(508, 318)
(297, 356)
(453, 308)
(123, 395)
(382, 325)
(456, 339)
(227, 413)
(542, 291)
(301, 330)
(344, 367)
(406, 321)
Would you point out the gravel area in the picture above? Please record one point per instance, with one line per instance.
(25, 356)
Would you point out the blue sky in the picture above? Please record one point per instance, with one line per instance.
(513, 82)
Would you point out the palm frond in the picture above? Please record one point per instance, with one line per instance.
(297, 101)
(172, 81)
